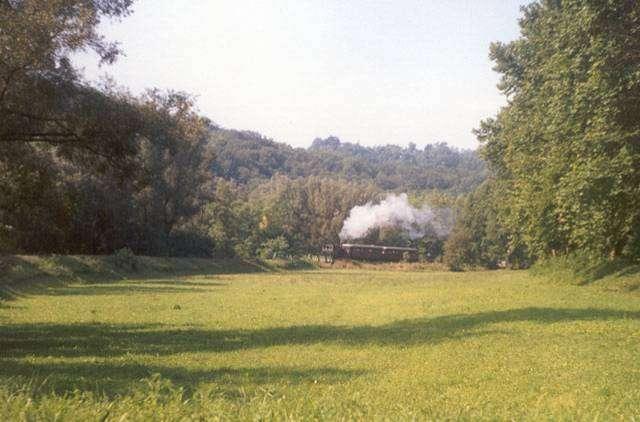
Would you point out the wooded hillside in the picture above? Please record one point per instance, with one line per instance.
(248, 156)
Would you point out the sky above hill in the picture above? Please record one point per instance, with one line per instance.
(373, 72)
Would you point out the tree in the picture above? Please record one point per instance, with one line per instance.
(151, 209)
(274, 248)
(478, 237)
(231, 221)
(49, 118)
(174, 163)
(249, 158)
(43, 100)
(566, 149)
(308, 212)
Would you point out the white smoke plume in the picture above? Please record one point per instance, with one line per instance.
(395, 211)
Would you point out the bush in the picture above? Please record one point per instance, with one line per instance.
(246, 248)
(456, 249)
(125, 259)
(274, 248)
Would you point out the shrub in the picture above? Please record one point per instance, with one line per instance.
(274, 248)
(125, 259)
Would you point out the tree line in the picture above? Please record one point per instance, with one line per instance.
(248, 157)
(564, 154)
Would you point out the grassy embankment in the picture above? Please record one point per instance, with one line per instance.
(580, 270)
(314, 344)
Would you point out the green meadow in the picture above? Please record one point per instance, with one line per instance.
(320, 344)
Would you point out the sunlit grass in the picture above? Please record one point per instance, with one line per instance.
(321, 344)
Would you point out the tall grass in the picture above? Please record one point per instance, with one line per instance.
(582, 269)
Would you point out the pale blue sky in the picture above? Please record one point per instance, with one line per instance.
(373, 72)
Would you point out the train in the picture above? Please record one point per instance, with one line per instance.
(368, 252)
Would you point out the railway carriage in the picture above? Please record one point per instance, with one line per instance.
(369, 252)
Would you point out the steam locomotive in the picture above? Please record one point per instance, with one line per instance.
(368, 252)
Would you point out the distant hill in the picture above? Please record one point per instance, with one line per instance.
(246, 157)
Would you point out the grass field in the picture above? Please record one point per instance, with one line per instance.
(346, 344)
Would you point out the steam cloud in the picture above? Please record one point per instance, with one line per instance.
(395, 211)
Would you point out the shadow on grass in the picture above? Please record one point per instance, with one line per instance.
(582, 270)
(111, 379)
(151, 286)
(591, 274)
(20, 276)
(187, 283)
(101, 340)
(287, 265)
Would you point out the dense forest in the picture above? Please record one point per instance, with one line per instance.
(92, 169)
(248, 157)
(564, 155)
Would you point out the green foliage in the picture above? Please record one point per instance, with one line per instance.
(478, 238)
(566, 150)
(274, 248)
(319, 345)
(308, 212)
(249, 158)
(50, 203)
(86, 169)
(229, 221)
(44, 104)
(33, 213)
